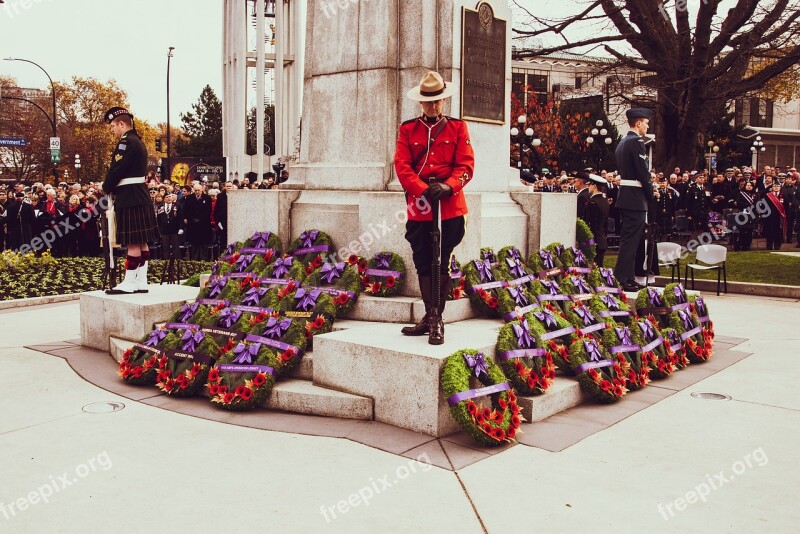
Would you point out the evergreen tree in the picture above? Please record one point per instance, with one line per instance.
(203, 127)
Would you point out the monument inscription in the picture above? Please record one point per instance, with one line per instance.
(483, 64)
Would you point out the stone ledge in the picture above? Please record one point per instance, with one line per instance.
(401, 373)
(741, 288)
(38, 301)
(564, 393)
(128, 317)
(301, 396)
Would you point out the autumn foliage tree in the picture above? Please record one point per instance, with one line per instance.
(698, 57)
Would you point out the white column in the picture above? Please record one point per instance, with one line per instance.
(260, 26)
(280, 95)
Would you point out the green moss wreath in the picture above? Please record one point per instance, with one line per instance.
(655, 348)
(183, 372)
(312, 308)
(676, 347)
(385, 275)
(553, 331)
(584, 239)
(691, 334)
(622, 341)
(139, 364)
(262, 241)
(602, 279)
(492, 424)
(649, 301)
(310, 245)
(243, 378)
(457, 280)
(511, 266)
(608, 307)
(599, 375)
(483, 283)
(341, 281)
(524, 359)
(545, 264)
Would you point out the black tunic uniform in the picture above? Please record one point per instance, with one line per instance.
(136, 221)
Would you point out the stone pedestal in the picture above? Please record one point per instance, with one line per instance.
(128, 317)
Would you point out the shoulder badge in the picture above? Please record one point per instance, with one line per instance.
(122, 146)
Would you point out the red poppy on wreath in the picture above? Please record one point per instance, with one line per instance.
(498, 434)
(309, 269)
(606, 386)
(319, 322)
(246, 394)
(503, 404)
(228, 398)
(228, 347)
(342, 299)
(493, 302)
(268, 255)
(288, 354)
(472, 408)
(362, 265)
(512, 433)
(482, 294)
(259, 379)
(213, 390)
(234, 258)
(260, 318)
(218, 308)
(457, 293)
(390, 281)
(127, 355)
(352, 259)
(376, 287)
(316, 262)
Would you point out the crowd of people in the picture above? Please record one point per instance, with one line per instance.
(695, 201)
(192, 218)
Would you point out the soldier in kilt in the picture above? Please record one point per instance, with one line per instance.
(135, 218)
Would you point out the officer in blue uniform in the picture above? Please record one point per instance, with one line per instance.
(635, 194)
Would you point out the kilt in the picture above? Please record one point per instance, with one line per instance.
(136, 225)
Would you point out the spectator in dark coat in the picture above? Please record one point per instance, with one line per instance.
(196, 215)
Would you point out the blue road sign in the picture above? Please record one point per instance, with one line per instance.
(13, 141)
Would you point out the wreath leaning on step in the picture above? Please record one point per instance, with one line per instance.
(489, 423)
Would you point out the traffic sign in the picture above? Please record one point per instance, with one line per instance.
(55, 143)
(55, 156)
(13, 141)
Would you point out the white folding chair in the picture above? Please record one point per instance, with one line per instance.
(711, 257)
(669, 255)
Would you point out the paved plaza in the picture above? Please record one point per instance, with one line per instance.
(683, 464)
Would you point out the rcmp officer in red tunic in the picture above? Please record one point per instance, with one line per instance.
(434, 160)
(135, 218)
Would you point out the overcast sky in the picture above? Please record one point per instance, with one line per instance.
(122, 40)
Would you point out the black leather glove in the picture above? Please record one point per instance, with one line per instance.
(437, 191)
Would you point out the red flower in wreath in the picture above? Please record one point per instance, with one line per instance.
(617, 391)
(376, 287)
(213, 390)
(342, 299)
(287, 355)
(247, 394)
(493, 302)
(319, 322)
(512, 432)
(228, 398)
(268, 255)
(362, 265)
(456, 293)
(233, 258)
(316, 262)
(238, 391)
(482, 294)
(498, 434)
(390, 281)
(515, 421)
(606, 386)
(472, 408)
(503, 404)
(259, 379)
(487, 428)
(127, 355)
(353, 259)
(309, 269)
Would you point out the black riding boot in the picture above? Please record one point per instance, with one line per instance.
(421, 328)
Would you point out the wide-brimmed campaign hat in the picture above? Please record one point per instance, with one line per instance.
(431, 87)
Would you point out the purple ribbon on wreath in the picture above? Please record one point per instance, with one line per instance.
(608, 275)
(253, 295)
(609, 301)
(673, 338)
(680, 294)
(484, 270)
(518, 295)
(191, 340)
(331, 271)
(187, 311)
(580, 259)
(454, 265)
(230, 250)
(276, 328)
(244, 262)
(592, 350)
(156, 336)
(260, 239)
(547, 259)
(655, 298)
(307, 238)
(559, 250)
(514, 253)
(585, 314)
(545, 316)
(517, 270)
(477, 364)
(701, 306)
(686, 318)
(245, 353)
(281, 267)
(624, 335)
(551, 286)
(523, 333)
(580, 284)
(308, 299)
(383, 259)
(647, 330)
(215, 267)
(488, 255)
(216, 286)
(229, 317)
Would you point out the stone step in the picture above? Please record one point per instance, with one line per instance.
(400, 373)
(301, 396)
(563, 394)
(118, 346)
(406, 310)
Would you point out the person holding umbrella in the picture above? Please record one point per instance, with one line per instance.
(434, 161)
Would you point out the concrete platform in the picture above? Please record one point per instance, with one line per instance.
(128, 316)
(564, 393)
(400, 373)
(301, 396)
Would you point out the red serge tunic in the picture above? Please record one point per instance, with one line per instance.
(450, 160)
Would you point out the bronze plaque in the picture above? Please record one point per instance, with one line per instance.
(483, 65)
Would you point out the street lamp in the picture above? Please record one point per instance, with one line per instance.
(758, 146)
(78, 167)
(712, 151)
(601, 131)
(53, 89)
(169, 144)
(525, 136)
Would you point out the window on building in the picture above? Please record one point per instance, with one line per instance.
(756, 112)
